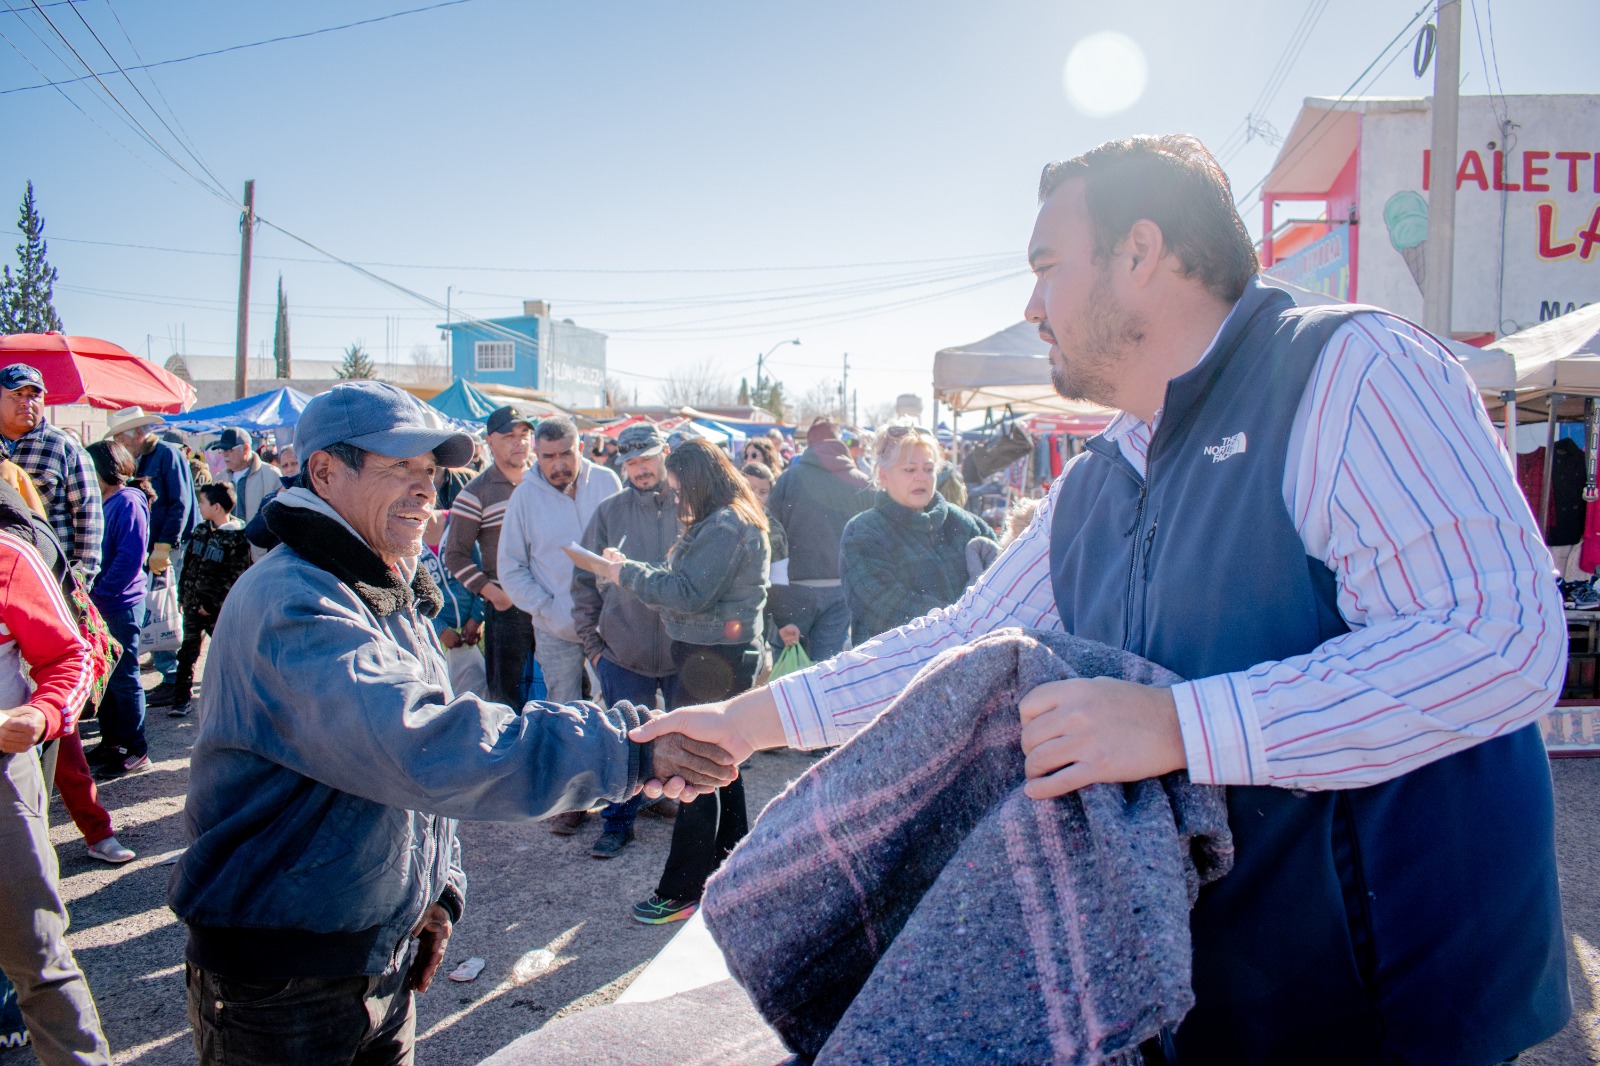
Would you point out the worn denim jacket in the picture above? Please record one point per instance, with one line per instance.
(714, 585)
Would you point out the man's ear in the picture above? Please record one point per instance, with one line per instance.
(1144, 246)
(319, 471)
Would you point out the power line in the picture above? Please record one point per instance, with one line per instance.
(79, 108)
(134, 86)
(242, 47)
(149, 137)
(799, 268)
(1305, 141)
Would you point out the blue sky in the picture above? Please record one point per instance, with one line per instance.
(661, 172)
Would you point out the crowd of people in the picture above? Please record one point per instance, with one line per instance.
(700, 563)
(1360, 605)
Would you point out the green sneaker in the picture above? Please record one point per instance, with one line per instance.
(659, 911)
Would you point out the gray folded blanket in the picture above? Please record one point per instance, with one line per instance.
(904, 901)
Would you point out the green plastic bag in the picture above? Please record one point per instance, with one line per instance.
(789, 660)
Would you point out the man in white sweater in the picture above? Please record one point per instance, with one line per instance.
(551, 508)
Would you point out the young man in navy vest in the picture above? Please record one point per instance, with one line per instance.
(1306, 512)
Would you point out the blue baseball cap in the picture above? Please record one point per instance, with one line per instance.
(21, 375)
(377, 417)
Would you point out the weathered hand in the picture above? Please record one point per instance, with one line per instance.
(450, 639)
(21, 728)
(1089, 730)
(695, 766)
(789, 634)
(472, 632)
(433, 936)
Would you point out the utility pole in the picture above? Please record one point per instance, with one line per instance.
(844, 388)
(1440, 258)
(247, 229)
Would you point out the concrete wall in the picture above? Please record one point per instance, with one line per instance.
(525, 370)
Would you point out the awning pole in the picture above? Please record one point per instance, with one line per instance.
(1549, 467)
(1510, 398)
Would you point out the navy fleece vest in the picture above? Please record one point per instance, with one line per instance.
(1416, 921)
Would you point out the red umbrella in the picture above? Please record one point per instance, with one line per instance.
(96, 372)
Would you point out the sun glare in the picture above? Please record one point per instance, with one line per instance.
(1105, 74)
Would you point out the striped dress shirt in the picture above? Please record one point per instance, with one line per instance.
(1396, 481)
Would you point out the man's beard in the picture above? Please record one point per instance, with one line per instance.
(1110, 332)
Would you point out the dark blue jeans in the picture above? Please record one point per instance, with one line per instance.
(308, 1021)
(122, 709)
(618, 683)
(822, 615)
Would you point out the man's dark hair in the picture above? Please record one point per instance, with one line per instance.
(218, 494)
(556, 427)
(1174, 182)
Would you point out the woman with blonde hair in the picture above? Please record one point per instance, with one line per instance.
(710, 594)
(908, 554)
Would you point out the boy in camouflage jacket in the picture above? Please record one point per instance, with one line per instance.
(214, 558)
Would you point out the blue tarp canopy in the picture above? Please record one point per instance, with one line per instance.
(270, 410)
(464, 402)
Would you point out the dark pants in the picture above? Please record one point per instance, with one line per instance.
(507, 643)
(122, 710)
(196, 627)
(618, 683)
(307, 1021)
(709, 828)
(821, 614)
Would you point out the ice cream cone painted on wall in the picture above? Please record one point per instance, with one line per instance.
(1406, 216)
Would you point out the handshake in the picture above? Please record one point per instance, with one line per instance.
(683, 768)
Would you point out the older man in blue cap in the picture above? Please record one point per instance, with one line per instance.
(332, 760)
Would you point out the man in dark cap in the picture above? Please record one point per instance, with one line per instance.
(253, 479)
(471, 551)
(60, 469)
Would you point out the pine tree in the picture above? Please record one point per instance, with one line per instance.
(744, 391)
(357, 364)
(280, 335)
(27, 303)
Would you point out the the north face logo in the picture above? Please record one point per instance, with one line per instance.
(1229, 447)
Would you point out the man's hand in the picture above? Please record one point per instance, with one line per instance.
(789, 634)
(433, 936)
(21, 728)
(739, 727)
(689, 768)
(498, 598)
(160, 557)
(472, 632)
(1090, 730)
(450, 639)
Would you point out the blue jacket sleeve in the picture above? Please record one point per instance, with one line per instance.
(174, 485)
(383, 729)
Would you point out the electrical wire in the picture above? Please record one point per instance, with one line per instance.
(140, 92)
(242, 47)
(149, 137)
(1305, 142)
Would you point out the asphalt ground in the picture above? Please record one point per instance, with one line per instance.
(551, 922)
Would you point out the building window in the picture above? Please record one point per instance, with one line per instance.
(494, 355)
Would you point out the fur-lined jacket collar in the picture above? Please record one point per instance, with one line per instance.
(315, 532)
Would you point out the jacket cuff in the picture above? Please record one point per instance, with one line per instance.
(451, 901)
(640, 765)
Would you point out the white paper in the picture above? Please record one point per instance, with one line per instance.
(780, 572)
(574, 546)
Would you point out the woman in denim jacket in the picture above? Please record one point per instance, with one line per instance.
(710, 594)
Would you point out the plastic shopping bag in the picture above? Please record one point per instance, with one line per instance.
(790, 659)
(163, 621)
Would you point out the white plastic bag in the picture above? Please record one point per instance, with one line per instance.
(163, 621)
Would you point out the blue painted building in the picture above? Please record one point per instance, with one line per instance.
(532, 351)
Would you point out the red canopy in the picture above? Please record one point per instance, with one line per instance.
(96, 372)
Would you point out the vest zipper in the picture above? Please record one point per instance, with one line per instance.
(1133, 563)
